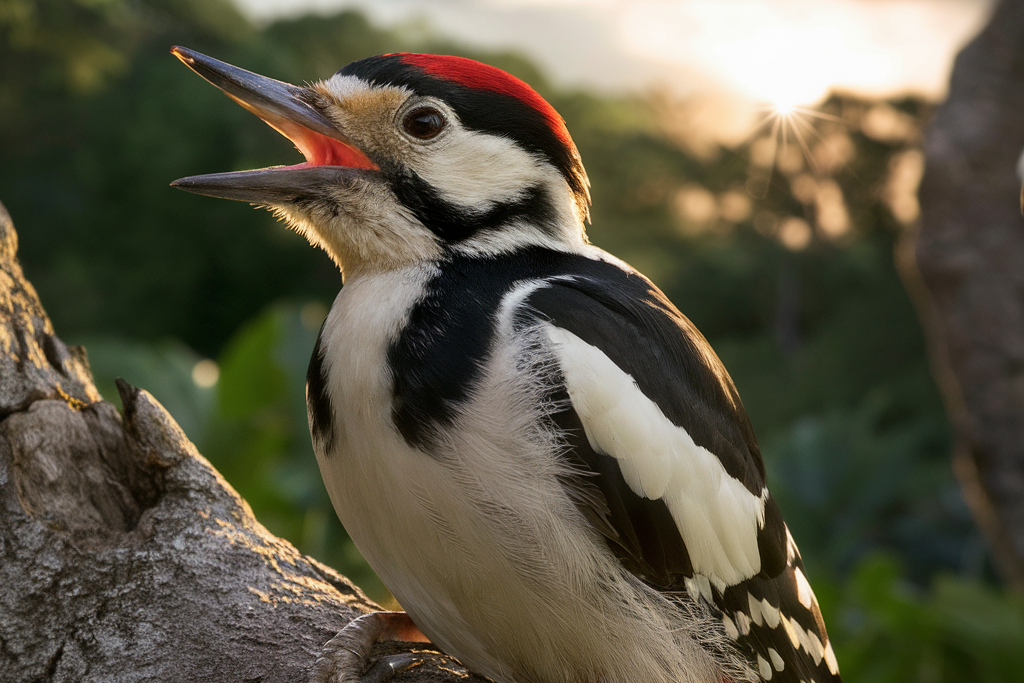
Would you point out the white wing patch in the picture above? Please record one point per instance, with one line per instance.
(730, 627)
(763, 612)
(717, 517)
(830, 659)
(803, 589)
(699, 587)
(743, 623)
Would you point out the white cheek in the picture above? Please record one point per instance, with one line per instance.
(478, 170)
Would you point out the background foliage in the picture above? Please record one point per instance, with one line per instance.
(782, 255)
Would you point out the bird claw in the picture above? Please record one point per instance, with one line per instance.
(389, 666)
(345, 658)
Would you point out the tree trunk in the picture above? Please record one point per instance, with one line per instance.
(970, 256)
(124, 556)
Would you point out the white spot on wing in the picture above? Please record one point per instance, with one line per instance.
(755, 609)
(730, 627)
(790, 627)
(771, 614)
(792, 552)
(514, 299)
(830, 659)
(803, 588)
(743, 623)
(764, 668)
(717, 517)
(803, 636)
(699, 587)
(814, 647)
(763, 612)
(776, 659)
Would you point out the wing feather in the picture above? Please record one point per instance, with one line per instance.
(652, 396)
(668, 470)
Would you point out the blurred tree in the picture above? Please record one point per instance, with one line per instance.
(970, 251)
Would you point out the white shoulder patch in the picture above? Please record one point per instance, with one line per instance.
(717, 517)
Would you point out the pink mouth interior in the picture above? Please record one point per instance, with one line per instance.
(319, 149)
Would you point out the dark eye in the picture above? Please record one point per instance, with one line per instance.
(423, 123)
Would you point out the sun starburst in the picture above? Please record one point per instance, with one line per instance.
(783, 123)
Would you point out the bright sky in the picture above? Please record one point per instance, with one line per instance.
(781, 52)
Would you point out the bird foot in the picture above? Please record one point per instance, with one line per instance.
(346, 657)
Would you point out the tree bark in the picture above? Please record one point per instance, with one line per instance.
(970, 256)
(124, 556)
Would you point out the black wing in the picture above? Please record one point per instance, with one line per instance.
(772, 615)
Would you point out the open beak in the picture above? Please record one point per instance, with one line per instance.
(292, 111)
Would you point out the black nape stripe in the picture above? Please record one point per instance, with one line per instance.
(318, 399)
(453, 223)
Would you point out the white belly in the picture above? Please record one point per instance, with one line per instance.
(478, 541)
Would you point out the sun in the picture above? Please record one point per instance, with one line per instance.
(784, 109)
(788, 91)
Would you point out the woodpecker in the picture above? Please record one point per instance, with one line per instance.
(541, 457)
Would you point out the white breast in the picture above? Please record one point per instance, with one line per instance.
(478, 539)
(370, 458)
(385, 492)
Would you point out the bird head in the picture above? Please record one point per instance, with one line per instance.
(408, 157)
